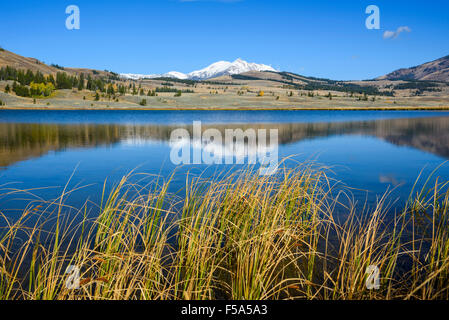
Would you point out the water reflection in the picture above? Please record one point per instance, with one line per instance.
(22, 141)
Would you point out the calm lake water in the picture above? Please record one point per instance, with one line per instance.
(370, 151)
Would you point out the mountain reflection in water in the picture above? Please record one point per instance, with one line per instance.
(22, 141)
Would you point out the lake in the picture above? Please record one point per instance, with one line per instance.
(369, 151)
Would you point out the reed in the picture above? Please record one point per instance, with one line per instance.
(235, 236)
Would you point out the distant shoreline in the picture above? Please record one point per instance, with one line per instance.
(274, 108)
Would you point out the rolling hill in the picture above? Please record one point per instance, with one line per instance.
(437, 70)
(8, 58)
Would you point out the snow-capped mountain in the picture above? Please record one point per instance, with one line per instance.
(216, 69)
(137, 76)
(222, 68)
(175, 74)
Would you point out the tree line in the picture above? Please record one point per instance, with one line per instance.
(28, 83)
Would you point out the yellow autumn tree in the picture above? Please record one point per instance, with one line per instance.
(41, 89)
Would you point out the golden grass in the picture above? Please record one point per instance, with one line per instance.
(237, 236)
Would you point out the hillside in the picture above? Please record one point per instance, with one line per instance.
(8, 58)
(437, 70)
(292, 81)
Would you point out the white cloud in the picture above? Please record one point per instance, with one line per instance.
(394, 34)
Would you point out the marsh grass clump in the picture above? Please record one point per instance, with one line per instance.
(233, 236)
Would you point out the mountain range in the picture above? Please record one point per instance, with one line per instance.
(217, 69)
(437, 70)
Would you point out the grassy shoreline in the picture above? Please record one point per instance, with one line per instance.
(239, 236)
(84, 100)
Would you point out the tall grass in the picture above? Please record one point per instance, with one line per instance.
(241, 236)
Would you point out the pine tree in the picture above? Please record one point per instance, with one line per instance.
(81, 82)
(90, 83)
(51, 80)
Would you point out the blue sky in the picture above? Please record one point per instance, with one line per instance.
(315, 38)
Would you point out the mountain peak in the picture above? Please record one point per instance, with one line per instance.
(223, 68)
(217, 69)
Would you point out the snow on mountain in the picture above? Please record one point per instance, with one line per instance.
(136, 76)
(222, 68)
(175, 74)
(216, 69)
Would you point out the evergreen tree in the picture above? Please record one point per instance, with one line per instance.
(63, 81)
(81, 82)
(51, 80)
(90, 84)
